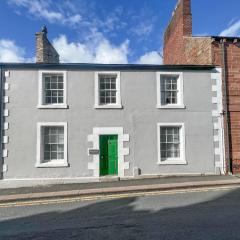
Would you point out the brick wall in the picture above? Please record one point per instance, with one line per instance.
(180, 47)
(233, 85)
(197, 50)
(179, 26)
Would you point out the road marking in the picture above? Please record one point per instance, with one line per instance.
(112, 196)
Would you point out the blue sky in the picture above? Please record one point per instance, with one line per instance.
(105, 31)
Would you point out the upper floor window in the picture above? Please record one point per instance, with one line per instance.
(52, 89)
(170, 90)
(107, 90)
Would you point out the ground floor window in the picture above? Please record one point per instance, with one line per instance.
(171, 143)
(52, 145)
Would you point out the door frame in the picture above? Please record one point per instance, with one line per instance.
(94, 163)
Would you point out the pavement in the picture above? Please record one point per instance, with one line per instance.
(115, 187)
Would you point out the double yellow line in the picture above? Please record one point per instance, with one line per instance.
(110, 196)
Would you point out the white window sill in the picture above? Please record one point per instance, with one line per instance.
(53, 106)
(171, 106)
(52, 165)
(172, 162)
(110, 106)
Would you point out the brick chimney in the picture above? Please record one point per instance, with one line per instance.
(45, 52)
(179, 26)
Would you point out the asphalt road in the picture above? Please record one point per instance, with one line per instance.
(212, 214)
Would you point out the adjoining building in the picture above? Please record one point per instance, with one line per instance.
(85, 122)
(181, 47)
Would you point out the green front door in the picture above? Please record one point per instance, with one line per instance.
(108, 154)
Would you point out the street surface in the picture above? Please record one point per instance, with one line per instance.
(191, 214)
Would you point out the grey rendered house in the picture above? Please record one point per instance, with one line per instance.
(85, 122)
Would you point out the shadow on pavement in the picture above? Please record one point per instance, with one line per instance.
(120, 219)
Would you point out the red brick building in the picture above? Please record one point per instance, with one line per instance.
(180, 47)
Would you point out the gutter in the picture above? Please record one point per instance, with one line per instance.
(104, 67)
(226, 109)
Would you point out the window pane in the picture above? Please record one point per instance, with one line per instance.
(102, 100)
(54, 99)
(113, 93)
(54, 93)
(60, 93)
(60, 79)
(48, 100)
(61, 139)
(54, 147)
(170, 138)
(60, 85)
(48, 85)
(53, 138)
(113, 85)
(102, 94)
(46, 156)
(60, 99)
(46, 139)
(47, 147)
(163, 138)
(60, 147)
(60, 155)
(48, 93)
(53, 155)
(53, 130)
(113, 100)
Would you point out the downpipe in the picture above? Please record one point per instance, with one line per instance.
(226, 110)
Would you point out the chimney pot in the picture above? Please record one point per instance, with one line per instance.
(44, 29)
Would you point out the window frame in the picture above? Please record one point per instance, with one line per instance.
(41, 104)
(172, 161)
(118, 103)
(180, 98)
(40, 145)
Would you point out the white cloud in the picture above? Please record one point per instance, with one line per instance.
(150, 58)
(76, 52)
(233, 30)
(10, 52)
(107, 53)
(101, 52)
(143, 29)
(42, 9)
(74, 19)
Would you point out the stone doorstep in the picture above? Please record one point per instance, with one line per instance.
(109, 179)
(116, 190)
